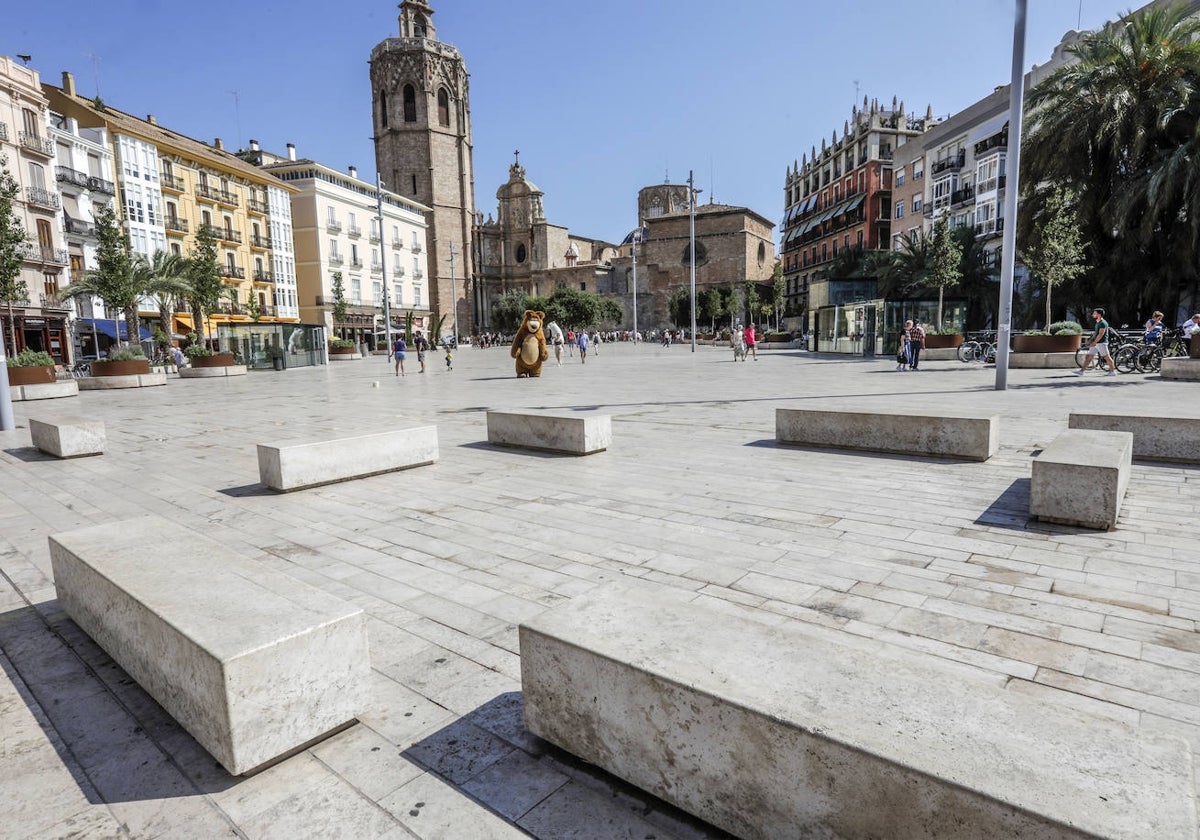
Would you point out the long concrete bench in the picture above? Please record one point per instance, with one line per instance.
(1081, 477)
(300, 464)
(1155, 438)
(574, 434)
(67, 437)
(944, 434)
(785, 731)
(252, 662)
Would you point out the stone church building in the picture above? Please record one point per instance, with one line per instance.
(423, 150)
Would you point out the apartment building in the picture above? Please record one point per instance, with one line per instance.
(337, 232)
(36, 320)
(171, 186)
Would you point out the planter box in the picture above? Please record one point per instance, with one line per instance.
(943, 342)
(39, 375)
(1046, 343)
(134, 368)
(1193, 353)
(215, 360)
(342, 351)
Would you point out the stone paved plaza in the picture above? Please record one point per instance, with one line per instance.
(694, 496)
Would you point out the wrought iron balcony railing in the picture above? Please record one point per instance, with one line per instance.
(36, 143)
(67, 175)
(42, 198)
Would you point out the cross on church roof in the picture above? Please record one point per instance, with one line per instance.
(517, 157)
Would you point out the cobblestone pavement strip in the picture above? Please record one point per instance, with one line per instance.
(694, 495)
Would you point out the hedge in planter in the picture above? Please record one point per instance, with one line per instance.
(122, 363)
(31, 367)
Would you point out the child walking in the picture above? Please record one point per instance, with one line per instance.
(449, 358)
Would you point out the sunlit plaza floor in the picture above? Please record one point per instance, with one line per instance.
(933, 555)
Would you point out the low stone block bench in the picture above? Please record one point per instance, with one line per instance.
(44, 391)
(67, 437)
(1155, 438)
(300, 464)
(973, 437)
(344, 357)
(1187, 370)
(107, 383)
(786, 731)
(1059, 361)
(253, 663)
(1080, 478)
(573, 434)
(212, 372)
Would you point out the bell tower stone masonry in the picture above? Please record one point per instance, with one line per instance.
(422, 130)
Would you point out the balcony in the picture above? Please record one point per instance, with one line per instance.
(36, 143)
(996, 142)
(44, 254)
(172, 182)
(228, 199)
(416, 248)
(356, 263)
(992, 184)
(224, 234)
(101, 185)
(39, 197)
(264, 277)
(418, 274)
(376, 268)
(175, 225)
(374, 237)
(78, 227)
(333, 226)
(962, 196)
(233, 272)
(267, 311)
(67, 175)
(260, 241)
(256, 206)
(397, 243)
(231, 309)
(992, 227)
(354, 231)
(949, 164)
(336, 259)
(4, 132)
(208, 193)
(53, 302)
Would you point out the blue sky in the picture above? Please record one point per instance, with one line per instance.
(601, 99)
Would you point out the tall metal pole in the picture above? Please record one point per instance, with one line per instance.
(637, 237)
(692, 246)
(454, 293)
(387, 304)
(7, 423)
(1008, 248)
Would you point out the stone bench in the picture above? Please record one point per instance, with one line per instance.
(1155, 438)
(787, 730)
(574, 434)
(67, 437)
(253, 663)
(943, 434)
(108, 383)
(44, 391)
(212, 372)
(299, 464)
(1187, 370)
(1080, 478)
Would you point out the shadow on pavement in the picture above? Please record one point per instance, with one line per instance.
(29, 454)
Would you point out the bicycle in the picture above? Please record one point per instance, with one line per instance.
(1117, 342)
(1147, 358)
(978, 349)
(80, 370)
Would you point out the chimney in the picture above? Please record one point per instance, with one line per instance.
(291, 147)
(353, 171)
(68, 84)
(150, 119)
(219, 144)
(254, 145)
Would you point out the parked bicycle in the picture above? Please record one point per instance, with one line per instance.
(1147, 358)
(978, 347)
(80, 370)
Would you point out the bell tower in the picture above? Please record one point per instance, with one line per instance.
(421, 114)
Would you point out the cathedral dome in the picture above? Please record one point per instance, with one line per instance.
(518, 185)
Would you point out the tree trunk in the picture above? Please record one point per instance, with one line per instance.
(164, 318)
(198, 317)
(941, 293)
(133, 327)
(1047, 324)
(12, 330)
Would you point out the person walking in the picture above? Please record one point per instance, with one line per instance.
(1098, 346)
(582, 341)
(422, 347)
(751, 342)
(400, 353)
(916, 342)
(177, 358)
(902, 351)
(449, 357)
(571, 342)
(556, 338)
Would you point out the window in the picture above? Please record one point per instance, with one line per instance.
(899, 209)
(376, 293)
(383, 108)
(206, 218)
(521, 254)
(399, 295)
(37, 176)
(45, 234)
(416, 296)
(918, 170)
(582, 286)
(917, 202)
(410, 103)
(900, 177)
(331, 215)
(443, 107)
(30, 122)
(356, 291)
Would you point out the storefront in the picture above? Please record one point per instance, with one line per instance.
(302, 344)
(847, 317)
(37, 330)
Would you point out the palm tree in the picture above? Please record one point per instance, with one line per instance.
(911, 264)
(166, 281)
(121, 291)
(1118, 127)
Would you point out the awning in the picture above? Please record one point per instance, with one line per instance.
(855, 203)
(108, 327)
(189, 324)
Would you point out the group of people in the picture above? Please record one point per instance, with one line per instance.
(744, 341)
(422, 346)
(912, 342)
(572, 341)
(1152, 333)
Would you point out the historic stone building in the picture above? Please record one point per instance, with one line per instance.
(422, 130)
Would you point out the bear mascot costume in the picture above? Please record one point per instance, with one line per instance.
(529, 347)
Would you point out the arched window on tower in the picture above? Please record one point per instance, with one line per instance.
(419, 28)
(383, 107)
(410, 103)
(443, 107)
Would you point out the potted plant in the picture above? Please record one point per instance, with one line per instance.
(277, 356)
(130, 361)
(31, 367)
(341, 347)
(944, 339)
(200, 356)
(1059, 337)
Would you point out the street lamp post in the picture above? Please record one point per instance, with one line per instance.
(454, 293)
(7, 423)
(387, 304)
(1008, 249)
(637, 238)
(692, 247)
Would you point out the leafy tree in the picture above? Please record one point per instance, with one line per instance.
(119, 280)
(508, 309)
(166, 281)
(204, 278)
(1054, 253)
(12, 243)
(945, 259)
(752, 301)
(611, 312)
(339, 300)
(578, 309)
(978, 282)
(778, 291)
(679, 306)
(712, 305)
(253, 309)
